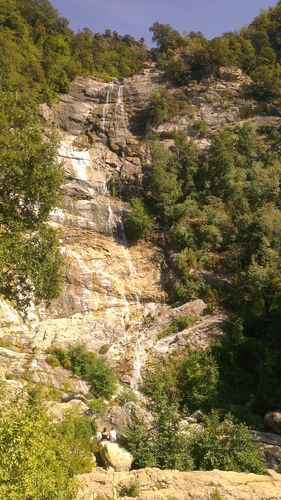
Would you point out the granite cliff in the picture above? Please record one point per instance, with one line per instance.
(113, 295)
(113, 298)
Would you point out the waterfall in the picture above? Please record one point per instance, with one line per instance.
(114, 224)
(106, 106)
(111, 222)
(126, 252)
(120, 107)
(136, 375)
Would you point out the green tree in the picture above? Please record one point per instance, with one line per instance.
(165, 189)
(160, 443)
(165, 37)
(30, 187)
(226, 445)
(138, 223)
(198, 380)
(36, 460)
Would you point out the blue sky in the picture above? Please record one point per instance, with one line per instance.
(212, 17)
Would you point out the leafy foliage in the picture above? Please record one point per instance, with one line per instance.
(178, 324)
(255, 49)
(38, 458)
(30, 188)
(198, 380)
(220, 210)
(138, 223)
(88, 366)
(164, 105)
(226, 445)
(161, 444)
(39, 52)
(221, 443)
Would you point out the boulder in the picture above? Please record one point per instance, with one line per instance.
(59, 410)
(115, 457)
(120, 417)
(272, 421)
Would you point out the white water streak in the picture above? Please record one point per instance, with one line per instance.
(106, 106)
(120, 107)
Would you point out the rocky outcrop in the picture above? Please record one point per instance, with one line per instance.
(121, 417)
(155, 484)
(272, 421)
(115, 457)
(57, 411)
(219, 103)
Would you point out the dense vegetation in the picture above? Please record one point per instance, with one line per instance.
(219, 442)
(30, 188)
(255, 49)
(39, 52)
(219, 210)
(38, 459)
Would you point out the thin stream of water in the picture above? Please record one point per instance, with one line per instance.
(112, 225)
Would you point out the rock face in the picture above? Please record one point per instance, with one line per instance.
(121, 417)
(113, 295)
(155, 484)
(115, 457)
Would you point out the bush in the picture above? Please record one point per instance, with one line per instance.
(127, 396)
(88, 366)
(98, 406)
(226, 445)
(138, 223)
(200, 128)
(132, 490)
(178, 324)
(104, 349)
(165, 106)
(160, 444)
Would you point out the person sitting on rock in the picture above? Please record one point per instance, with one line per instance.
(104, 435)
(113, 435)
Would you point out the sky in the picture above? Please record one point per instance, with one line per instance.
(212, 17)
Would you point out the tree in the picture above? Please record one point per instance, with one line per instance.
(138, 223)
(160, 442)
(198, 380)
(226, 445)
(165, 37)
(188, 160)
(266, 81)
(37, 459)
(30, 187)
(165, 187)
